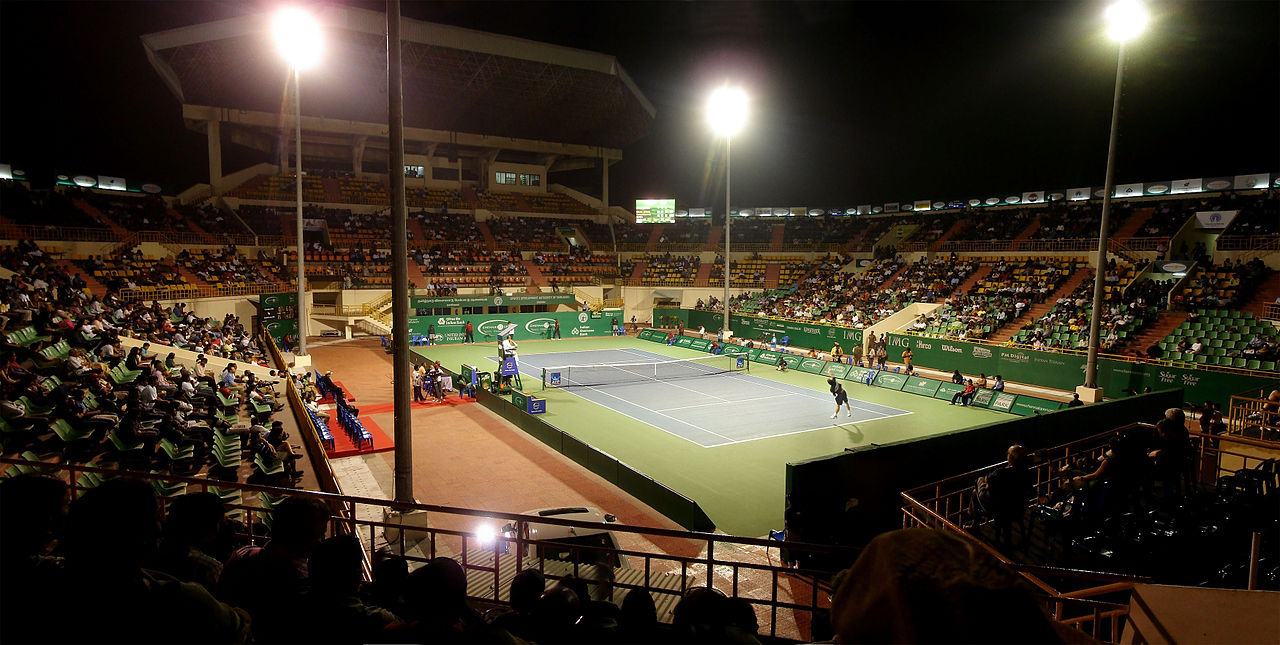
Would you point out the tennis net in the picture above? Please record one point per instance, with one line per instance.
(618, 373)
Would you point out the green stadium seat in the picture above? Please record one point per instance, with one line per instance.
(1201, 359)
(1253, 364)
(1266, 365)
(1239, 362)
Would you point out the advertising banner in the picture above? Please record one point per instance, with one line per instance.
(797, 334)
(1128, 190)
(1066, 371)
(1215, 219)
(451, 329)
(1079, 194)
(1033, 197)
(922, 205)
(1246, 182)
(518, 300)
(1182, 186)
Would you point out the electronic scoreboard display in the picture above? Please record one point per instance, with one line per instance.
(655, 211)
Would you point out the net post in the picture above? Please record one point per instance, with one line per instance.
(544, 379)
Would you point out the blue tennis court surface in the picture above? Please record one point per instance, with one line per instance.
(713, 410)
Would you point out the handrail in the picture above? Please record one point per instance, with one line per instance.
(1248, 242)
(1271, 311)
(714, 559)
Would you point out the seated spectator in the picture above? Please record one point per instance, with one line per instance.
(265, 580)
(1004, 494)
(191, 528)
(332, 610)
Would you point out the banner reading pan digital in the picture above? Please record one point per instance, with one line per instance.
(521, 300)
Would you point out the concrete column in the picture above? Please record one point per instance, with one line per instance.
(214, 135)
(357, 154)
(604, 183)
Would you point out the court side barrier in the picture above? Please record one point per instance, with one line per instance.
(802, 334)
(852, 496)
(673, 505)
(1064, 370)
(1020, 404)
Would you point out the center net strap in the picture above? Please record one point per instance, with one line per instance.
(616, 373)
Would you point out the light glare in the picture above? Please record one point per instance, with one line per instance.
(486, 534)
(727, 110)
(1125, 20)
(297, 35)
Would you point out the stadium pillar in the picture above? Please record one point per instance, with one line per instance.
(728, 215)
(301, 348)
(1091, 388)
(399, 262)
(604, 183)
(214, 134)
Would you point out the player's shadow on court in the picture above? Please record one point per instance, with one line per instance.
(852, 429)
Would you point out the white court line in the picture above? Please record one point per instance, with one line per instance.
(796, 390)
(703, 405)
(648, 423)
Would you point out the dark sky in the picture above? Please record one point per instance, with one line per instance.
(851, 102)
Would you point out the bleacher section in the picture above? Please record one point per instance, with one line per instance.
(1227, 337)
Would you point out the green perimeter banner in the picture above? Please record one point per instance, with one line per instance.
(1066, 371)
(808, 335)
(451, 329)
(520, 300)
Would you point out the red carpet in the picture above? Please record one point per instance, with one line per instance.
(345, 392)
(382, 442)
(343, 446)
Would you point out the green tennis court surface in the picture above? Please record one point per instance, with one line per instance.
(739, 482)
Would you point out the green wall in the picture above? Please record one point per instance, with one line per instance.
(449, 329)
(1066, 371)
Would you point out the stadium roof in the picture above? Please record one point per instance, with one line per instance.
(455, 79)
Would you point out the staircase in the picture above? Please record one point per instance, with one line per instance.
(637, 272)
(416, 279)
(1165, 324)
(97, 215)
(973, 280)
(951, 232)
(332, 193)
(772, 271)
(1134, 224)
(775, 241)
(1037, 310)
(191, 225)
(91, 283)
(1027, 232)
(415, 227)
(703, 276)
(654, 236)
(1267, 293)
(535, 274)
(488, 235)
(192, 279)
(714, 238)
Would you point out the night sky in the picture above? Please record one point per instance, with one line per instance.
(851, 102)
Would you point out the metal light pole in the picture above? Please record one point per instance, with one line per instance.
(1126, 19)
(727, 112)
(728, 215)
(301, 349)
(399, 263)
(297, 35)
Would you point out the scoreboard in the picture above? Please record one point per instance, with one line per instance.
(655, 211)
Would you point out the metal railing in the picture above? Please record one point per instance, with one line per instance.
(1248, 243)
(785, 598)
(1247, 411)
(947, 505)
(188, 291)
(1271, 311)
(1016, 246)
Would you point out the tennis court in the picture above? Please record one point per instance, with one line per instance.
(709, 402)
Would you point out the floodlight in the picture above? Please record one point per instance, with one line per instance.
(1126, 19)
(727, 110)
(298, 37)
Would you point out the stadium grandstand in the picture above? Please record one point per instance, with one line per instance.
(634, 471)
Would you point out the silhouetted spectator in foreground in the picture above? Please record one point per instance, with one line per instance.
(267, 580)
(190, 532)
(110, 531)
(331, 611)
(31, 511)
(926, 586)
(526, 588)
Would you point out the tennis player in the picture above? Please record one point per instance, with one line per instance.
(841, 397)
